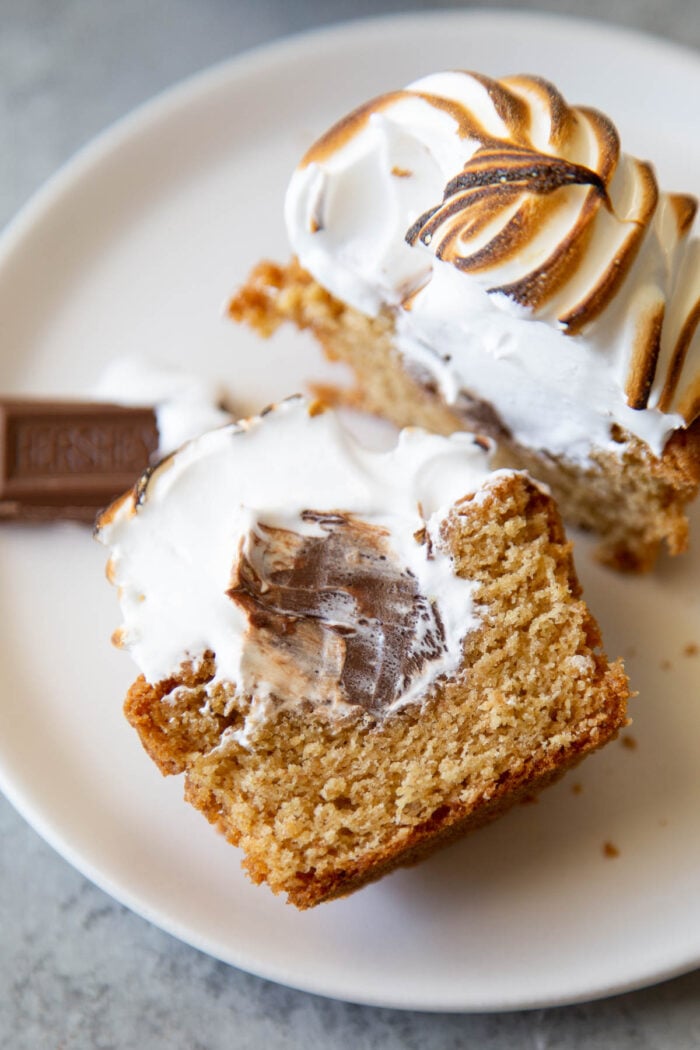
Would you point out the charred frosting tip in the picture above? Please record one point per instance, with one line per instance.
(522, 253)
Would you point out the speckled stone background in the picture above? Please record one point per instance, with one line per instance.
(77, 970)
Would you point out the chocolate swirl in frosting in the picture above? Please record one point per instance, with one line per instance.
(333, 618)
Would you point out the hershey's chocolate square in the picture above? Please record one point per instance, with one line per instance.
(65, 460)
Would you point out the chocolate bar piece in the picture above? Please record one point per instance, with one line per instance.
(66, 460)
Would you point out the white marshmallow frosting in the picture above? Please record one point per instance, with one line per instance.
(526, 260)
(177, 538)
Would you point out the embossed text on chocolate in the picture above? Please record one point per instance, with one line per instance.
(57, 447)
(65, 460)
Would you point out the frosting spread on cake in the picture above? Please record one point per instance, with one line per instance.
(527, 260)
(311, 567)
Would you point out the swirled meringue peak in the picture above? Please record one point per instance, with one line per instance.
(528, 262)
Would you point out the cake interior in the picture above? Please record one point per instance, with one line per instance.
(321, 804)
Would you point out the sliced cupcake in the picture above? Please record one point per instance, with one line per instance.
(354, 656)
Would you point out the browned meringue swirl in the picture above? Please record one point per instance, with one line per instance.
(333, 618)
(494, 210)
(492, 181)
(549, 212)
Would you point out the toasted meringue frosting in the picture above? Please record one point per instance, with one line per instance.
(528, 262)
(312, 567)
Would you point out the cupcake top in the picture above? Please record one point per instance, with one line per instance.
(527, 260)
(311, 567)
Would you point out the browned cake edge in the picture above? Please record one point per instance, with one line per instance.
(446, 825)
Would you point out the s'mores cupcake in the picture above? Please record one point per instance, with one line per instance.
(353, 656)
(486, 257)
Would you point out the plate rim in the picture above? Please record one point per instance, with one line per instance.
(48, 196)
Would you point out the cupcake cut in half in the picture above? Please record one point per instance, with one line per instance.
(485, 257)
(353, 656)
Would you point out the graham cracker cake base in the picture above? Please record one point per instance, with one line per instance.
(635, 501)
(322, 804)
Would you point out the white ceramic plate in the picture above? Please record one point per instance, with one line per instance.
(135, 247)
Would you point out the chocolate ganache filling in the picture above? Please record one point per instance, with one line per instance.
(333, 619)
